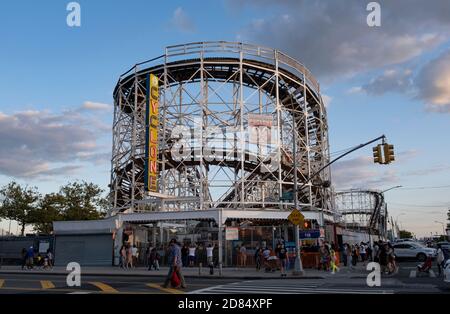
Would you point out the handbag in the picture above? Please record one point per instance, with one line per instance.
(175, 279)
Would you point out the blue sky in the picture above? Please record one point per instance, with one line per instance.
(389, 80)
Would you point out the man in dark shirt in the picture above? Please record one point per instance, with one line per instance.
(175, 263)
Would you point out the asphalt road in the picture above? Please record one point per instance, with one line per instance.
(407, 280)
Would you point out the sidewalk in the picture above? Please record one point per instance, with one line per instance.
(194, 272)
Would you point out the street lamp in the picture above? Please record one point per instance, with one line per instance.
(443, 226)
(394, 187)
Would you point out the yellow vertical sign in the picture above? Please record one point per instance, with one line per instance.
(153, 125)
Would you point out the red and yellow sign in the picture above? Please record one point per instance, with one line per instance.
(152, 134)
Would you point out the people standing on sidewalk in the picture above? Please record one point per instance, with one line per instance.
(324, 257)
(129, 256)
(362, 252)
(243, 251)
(369, 253)
(440, 260)
(50, 258)
(123, 257)
(392, 265)
(346, 254)
(23, 254)
(210, 258)
(333, 260)
(134, 255)
(258, 256)
(175, 264)
(383, 257)
(192, 255)
(354, 255)
(283, 257)
(376, 252)
(30, 257)
(154, 259)
(184, 255)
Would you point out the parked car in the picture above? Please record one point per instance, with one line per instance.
(413, 250)
(444, 245)
(404, 240)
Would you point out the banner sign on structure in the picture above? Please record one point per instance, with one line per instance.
(231, 233)
(152, 128)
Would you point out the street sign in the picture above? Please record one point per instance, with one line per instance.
(296, 217)
(312, 234)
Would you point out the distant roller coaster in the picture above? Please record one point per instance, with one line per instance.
(221, 86)
(363, 210)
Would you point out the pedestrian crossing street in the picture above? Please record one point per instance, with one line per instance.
(283, 286)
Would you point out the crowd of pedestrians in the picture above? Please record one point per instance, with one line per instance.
(31, 259)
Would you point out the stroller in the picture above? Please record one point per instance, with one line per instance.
(425, 266)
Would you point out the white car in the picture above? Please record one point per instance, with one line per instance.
(447, 271)
(413, 250)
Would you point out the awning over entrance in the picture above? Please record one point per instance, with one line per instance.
(218, 215)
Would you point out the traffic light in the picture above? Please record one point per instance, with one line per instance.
(307, 224)
(377, 154)
(388, 153)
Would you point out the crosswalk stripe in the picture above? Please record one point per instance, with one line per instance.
(432, 274)
(168, 290)
(104, 287)
(225, 289)
(47, 284)
(2, 282)
(255, 287)
(80, 292)
(412, 274)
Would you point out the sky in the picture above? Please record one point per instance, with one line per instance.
(56, 85)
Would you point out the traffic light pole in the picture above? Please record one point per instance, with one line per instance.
(383, 137)
(298, 267)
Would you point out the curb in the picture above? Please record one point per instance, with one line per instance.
(160, 275)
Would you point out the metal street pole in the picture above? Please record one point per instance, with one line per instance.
(298, 267)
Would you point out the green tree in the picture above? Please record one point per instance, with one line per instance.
(405, 234)
(18, 203)
(82, 201)
(49, 209)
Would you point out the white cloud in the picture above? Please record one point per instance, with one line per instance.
(433, 84)
(326, 100)
(96, 106)
(334, 40)
(360, 172)
(40, 143)
(181, 21)
(392, 80)
(354, 90)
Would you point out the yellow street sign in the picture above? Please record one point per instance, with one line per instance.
(296, 217)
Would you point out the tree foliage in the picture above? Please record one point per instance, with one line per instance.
(19, 203)
(74, 201)
(82, 201)
(404, 234)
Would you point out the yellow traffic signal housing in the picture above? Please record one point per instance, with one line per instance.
(388, 153)
(377, 154)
